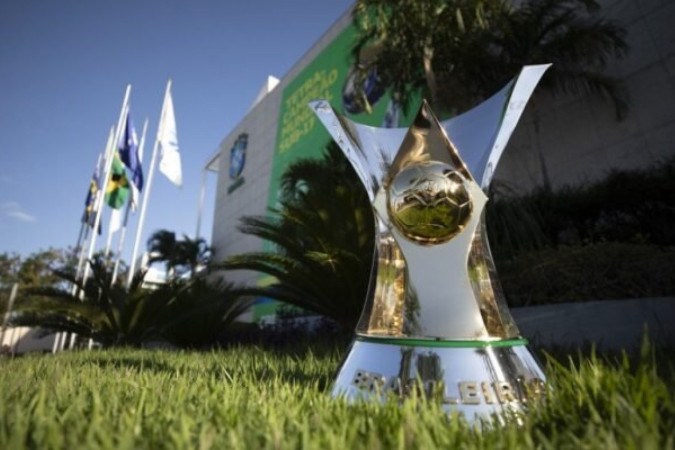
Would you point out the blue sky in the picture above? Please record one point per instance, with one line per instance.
(64, 66)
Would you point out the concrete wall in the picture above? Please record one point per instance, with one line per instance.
(251, 197)
(607, 324)
(261, 125)
(18, 340)
(580, 138)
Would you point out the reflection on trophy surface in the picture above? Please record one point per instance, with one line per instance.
(435, 318)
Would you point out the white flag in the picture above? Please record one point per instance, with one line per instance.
(170, 164)
(115, 221)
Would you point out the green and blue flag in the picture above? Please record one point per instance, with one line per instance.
(117, 190)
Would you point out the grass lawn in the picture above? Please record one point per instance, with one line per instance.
(252, 398)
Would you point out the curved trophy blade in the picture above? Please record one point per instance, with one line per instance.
(481, 134)
(370, 150)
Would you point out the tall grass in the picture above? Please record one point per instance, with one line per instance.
(254, 398)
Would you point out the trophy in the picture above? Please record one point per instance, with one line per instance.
(435, 320)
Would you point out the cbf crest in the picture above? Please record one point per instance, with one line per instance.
(237, 161)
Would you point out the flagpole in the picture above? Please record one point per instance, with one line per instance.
(108, 242)
(110, 153)
(120, 244)
(114, 221)
(5, 319)
(81, 238)
(60, 343)
(82, 262)
(146, 194)
(60, 337)
(57, 342)
(108, 169)
(101, 159)
(79, 250)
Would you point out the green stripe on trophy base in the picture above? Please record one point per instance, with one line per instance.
(440, 343)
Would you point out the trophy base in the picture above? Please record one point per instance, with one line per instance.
(475, 378)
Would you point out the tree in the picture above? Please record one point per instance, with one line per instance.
(567, 33)
(201, 312)
(38, 268)
(570, 34)
(34, 270)
(162, 247)
(406, 41)
(111, 314)
(180, 256)
(10, 264)
(194, 254)
(458, 52)
(323, 237)
(97, 309)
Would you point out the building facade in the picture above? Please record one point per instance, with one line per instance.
(579, 136)
(571, 139)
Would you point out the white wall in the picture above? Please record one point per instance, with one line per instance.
(580, 136)
(20, 340)
(261, 125)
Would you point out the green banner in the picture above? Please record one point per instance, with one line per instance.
(301, 135)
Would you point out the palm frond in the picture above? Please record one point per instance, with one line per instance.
(322, 236)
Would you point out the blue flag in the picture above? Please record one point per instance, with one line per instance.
(128, 150)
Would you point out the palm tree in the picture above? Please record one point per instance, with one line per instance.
(570, 34)
(567, 33)
(459, 52)
(180, 256)
(111, 314)
(97, 309)
(162, 247)
(194, 254)
(323, 238)
(407, 41)
(201, 311)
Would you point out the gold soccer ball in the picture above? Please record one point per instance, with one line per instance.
(429, 203)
